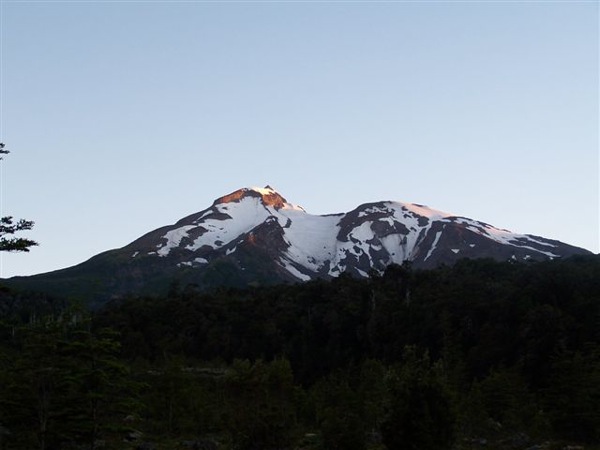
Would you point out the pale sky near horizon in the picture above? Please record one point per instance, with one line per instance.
(124, 116)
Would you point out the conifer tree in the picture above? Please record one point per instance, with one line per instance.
(14, 244)
(8, 227)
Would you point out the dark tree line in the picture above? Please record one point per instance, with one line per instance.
(481, 354)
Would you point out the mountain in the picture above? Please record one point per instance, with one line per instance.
(255, 236)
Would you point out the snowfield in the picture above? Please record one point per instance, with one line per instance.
(380, 233)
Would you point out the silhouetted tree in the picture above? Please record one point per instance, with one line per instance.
(9, 227)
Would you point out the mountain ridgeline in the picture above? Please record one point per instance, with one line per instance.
(254, 236)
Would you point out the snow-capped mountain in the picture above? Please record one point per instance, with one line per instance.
(306, 246)
(254, 235)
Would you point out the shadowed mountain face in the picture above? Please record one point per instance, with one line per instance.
(254, 236)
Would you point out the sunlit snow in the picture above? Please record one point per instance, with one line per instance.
(314, 241)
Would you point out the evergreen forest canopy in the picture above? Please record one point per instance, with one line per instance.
(479, 355)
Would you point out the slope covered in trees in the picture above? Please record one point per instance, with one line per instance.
(478, 355)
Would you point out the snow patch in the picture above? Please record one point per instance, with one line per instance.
(362, 273)
(425, 211)
(433, 245)
(312, 239)
(243, 217)
(174, 238)
(291, 269)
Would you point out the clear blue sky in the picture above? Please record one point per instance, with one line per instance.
(126, 116)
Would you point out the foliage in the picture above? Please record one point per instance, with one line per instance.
(8, 227)
(62, 384)
(421, 413)
(260, 401)
(506, 354)
(14, 244)
(340, 413)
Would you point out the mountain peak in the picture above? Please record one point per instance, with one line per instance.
(254, 235)
(268, 195)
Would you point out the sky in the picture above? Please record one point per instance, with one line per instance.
(124, 116)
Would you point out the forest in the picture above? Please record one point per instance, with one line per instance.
(480, 355)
